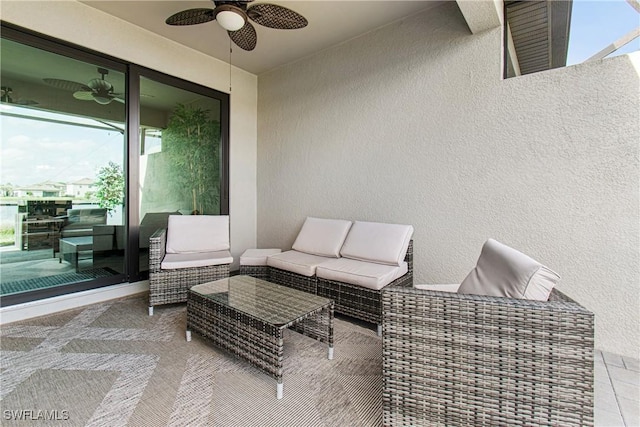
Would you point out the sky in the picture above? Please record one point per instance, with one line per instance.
(597, 24)
(32, 152)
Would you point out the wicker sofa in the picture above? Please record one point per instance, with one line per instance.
(350, 263)
(456, 358)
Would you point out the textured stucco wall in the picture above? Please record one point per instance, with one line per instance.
(413, 124)
(76, 23)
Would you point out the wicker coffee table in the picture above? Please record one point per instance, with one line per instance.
(248, 316)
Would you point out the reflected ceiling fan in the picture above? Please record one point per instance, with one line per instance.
(5, 96)
(234, 17)
(98, 89)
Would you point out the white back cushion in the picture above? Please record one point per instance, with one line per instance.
(197, 233)
(377, 242)
(322, 237)
(505, 272)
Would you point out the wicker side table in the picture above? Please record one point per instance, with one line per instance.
(253, 262)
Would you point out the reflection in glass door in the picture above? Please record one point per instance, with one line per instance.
(62, 176)
(180, 169)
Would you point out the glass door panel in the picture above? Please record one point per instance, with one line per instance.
(62, 175)
(180, 157)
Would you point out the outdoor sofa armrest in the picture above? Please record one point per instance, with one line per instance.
(157, 245)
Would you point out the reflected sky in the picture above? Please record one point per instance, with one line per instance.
(55, 147)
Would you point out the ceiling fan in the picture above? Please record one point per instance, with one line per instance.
(98, 89)
(234, 17)
(5, 96)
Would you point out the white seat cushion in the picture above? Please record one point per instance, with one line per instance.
(505, 272)
(377, 242)
(366, 274)
(448, 287)
(296, 262)
(197, 233)
(257, 256)
(195, 259)
(322, 237)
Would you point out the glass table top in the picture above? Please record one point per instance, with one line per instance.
(271, 303)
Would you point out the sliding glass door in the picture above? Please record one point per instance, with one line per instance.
(63, 148)
(180, 162)
(96, 154)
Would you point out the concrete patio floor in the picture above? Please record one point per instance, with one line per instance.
(617, 390)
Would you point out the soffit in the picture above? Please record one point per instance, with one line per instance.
(540, 33)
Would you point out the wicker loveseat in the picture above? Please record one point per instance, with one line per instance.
(460, 359)
(350, 263)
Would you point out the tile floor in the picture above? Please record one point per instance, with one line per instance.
(617, 390)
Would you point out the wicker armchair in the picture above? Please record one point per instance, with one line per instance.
(193, 249)
(454, 359)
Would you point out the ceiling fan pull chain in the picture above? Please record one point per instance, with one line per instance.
(230, 51)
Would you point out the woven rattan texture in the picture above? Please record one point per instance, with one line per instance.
(257, 271)
(454, 360)
(171, 286)
(357, 301)
(293, 280)
(257, 341)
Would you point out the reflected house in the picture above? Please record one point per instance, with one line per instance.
(43, 189)
(80, 188)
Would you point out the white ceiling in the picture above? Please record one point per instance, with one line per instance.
(330, 23)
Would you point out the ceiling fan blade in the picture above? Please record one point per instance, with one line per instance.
(191, 17)
(278, 17)
(67, 85)
(83, 95)
(242, 4)
(246, 37)
(120, 100)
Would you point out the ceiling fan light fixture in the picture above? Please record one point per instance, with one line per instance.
(99, 84)
(230, 17)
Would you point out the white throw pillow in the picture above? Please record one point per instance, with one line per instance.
(322, 237)
(505, 272)
(197, 233)
(377, 242)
